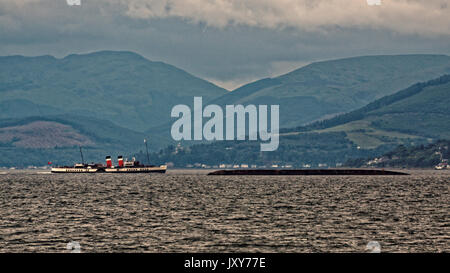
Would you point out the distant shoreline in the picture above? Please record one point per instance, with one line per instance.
(191, 171)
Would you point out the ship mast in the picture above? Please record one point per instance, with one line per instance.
(146, 146)
(82, 158)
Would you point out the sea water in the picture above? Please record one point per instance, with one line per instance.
(193, 212)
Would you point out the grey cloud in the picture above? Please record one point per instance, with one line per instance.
(424, 17)
(230, 54)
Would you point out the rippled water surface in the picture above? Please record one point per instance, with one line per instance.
(198, 213)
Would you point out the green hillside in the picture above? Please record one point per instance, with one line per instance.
(414, 116)
(102, 101)
(419, 112)
(313, 149)
(37, 140)
(122, 87)
(324, 89)
(420, 156)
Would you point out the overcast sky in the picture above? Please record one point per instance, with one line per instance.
(229, 42)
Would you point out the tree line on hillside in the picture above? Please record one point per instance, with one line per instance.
(420, 156)
(360, 113)
(296, 150)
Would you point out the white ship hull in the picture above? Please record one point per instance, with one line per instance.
(144, 169)
(160, 169)
(74, 170)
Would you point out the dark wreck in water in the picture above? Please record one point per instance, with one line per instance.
(307, 172)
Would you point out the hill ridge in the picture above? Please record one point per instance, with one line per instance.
(326, 88)
(123, 87)
(385, 101)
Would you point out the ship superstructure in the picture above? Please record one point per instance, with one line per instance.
(124, 166)
(134, 166)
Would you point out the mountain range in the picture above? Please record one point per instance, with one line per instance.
(109, 101)
(122, 87)
(418, 112)
(323, 89)
(414, 116)
(136, 93)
